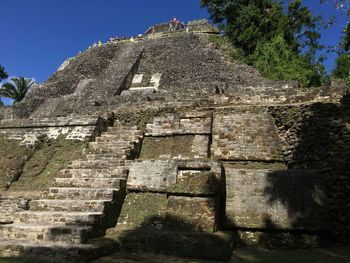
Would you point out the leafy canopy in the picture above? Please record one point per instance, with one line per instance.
(17, 89)
(342, 69)
(277, 60)
(257, 27)
(248, 22)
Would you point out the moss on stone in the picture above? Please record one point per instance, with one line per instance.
(13, 156)
(46, 162)
(138, 208)
(167, 147)
(196, 184)
(256, 165)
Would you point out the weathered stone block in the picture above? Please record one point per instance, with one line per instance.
(138, 211)
(245, 136)
(152, 175)
(276, 199)
(175, 147)
(196, 182)
(189, 123)
(199, 213)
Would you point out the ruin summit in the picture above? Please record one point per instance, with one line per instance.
(177, 150)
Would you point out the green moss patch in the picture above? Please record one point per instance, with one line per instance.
(245, 255)
(167, 147)
(138, 208)
(39, 171)
(256, 165)
(13, 156)
(202, 183)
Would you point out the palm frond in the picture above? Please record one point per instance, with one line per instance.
(17, 90)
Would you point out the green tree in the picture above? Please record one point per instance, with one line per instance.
(249, 22)
(17, 89)
(342, 69)
(3, 74)
(277, 61)
(345, 43)
(342, 63)
(252, 23)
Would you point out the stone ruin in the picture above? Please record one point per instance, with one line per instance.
(188, 154)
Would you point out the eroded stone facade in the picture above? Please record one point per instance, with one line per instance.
(200, 146)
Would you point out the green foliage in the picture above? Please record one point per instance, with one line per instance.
(342, 69)
(3, 74)
(345, 43)
(260, 24)
(277, 61)
(17, 89)
(249, 22)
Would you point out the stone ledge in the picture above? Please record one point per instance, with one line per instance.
(48, 122)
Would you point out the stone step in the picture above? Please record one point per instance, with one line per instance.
(83, 193)
(44, 234)
(72, 253)
(90, 182)
(110, 150)
(123, 134)
(106, 156)
(122, 145)
(97, 164)
(95, 173)
(68, 205)
(117, 140)
(58, 217)
(122, 128)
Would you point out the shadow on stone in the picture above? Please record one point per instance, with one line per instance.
(315, 189)
(171, 235)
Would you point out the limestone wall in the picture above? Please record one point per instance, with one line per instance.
(246, 135)
(186, 191)
(30, 131)
(187, 123)
(14, 202)
(276, 199)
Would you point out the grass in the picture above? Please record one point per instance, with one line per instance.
(245, 255)
(39, 171)
(240, 255)
(12, 159)
(256, 255)
(18, 260)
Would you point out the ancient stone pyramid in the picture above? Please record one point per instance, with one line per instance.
(188, 154)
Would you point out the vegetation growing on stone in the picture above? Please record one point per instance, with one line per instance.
(34, 168)
(39, 171)
(167, 147)
(13, 157)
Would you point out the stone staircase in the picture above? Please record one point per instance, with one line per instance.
(117, 75)
(85, 201)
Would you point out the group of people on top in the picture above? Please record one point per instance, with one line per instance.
(175, 24)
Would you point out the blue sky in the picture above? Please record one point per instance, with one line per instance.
(38, 35)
